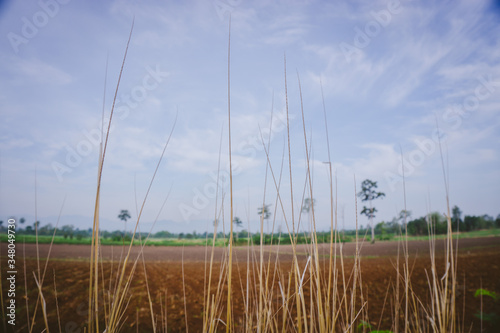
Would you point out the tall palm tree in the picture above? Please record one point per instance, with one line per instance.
(265, 214)
(308, 204)
(124, 216)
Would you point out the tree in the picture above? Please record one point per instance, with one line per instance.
(265, 214)
(67, 230)
(243, 233)
(1, 222)
(22, 220)
(418, 227)
(162, 234)
(456, 214)
(404, 215)
(368, 193)
(124, 216)
(384, 230)
(308, 204)
(438, 223)
(478, 222)
(456, 218)
(46, 229)
(400, 220)
(237, 222)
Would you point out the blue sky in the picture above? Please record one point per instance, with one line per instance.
(389, 70)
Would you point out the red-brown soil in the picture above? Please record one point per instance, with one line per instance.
(198, 253)
(478, 267)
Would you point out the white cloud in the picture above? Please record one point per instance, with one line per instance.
(36, 71)
(378, 159)
(426, 60)
(17, 143)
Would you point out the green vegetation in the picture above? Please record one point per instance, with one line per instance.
(70, 235)
(418, 229)
(485, 292)
(437, 224)
(470, 234)
(487, 316)
(45, 239)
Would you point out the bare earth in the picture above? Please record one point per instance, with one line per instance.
(68, 268)
(199, 253)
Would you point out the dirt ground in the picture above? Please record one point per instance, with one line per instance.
(199, 253)
(68, 270)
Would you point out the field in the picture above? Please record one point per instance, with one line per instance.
(68, 269)
(95, 284)
(203, 241)
(44, 239)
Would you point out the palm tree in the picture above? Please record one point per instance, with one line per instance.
(308, 204)
(238, 223)
(124, 216)
(265, 213)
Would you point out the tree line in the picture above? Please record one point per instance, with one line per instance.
(433, 223)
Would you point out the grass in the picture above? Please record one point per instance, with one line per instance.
(242, 241)
(311, 295)
(32, 239)
(184, 242)
(461, 235)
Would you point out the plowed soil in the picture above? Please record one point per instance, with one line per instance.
(68, 273)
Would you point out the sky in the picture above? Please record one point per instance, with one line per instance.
(403, 85)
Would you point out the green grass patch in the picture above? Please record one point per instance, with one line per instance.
(44, 239)
(470, 234)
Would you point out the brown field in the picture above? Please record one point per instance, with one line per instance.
(478, 266)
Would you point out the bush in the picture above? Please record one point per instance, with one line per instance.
(385, 237)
